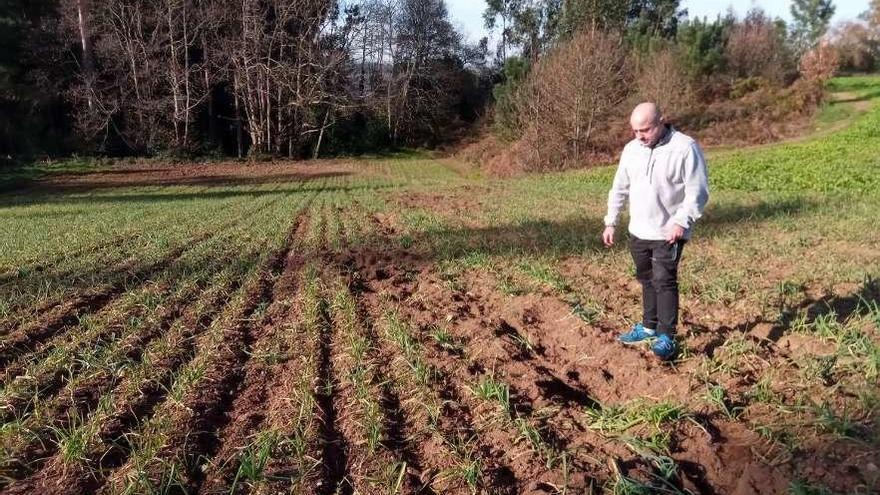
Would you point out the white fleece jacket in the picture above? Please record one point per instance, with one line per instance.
(665, 184)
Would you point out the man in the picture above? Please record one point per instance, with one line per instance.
(663, 174)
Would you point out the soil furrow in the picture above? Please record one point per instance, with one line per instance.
(545, 366)
(25, 339)
(396, 435)
(457, 420)
(395, 429)
(133, 405)
(334, 448)
(587, 354)
(374, 423)
(49, 383)
(194, 437)
(64, 312)
(458, 427)
(522, 379)
(291, 411)
(557, 362)
(248, 411)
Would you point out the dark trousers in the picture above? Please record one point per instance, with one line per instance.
(657, 271)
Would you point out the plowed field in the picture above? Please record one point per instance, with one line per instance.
(404, 325)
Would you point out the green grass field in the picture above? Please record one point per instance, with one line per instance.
(403, 324)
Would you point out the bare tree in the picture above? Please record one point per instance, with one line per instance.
(424, 39)
(856, 46)
(286, 69)
(569, 98)
(149, 83)
(283, 56)
(756, 47)
(184, 25)
(661, 78)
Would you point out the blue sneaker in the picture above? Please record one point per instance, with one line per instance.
(636, 335)
(664, 347)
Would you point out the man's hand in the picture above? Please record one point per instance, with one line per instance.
(608, 236)
(674, 233)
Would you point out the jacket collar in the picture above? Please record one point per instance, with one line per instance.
(664, 139)
(667, 135)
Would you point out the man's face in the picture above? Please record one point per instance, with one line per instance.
(648, 132)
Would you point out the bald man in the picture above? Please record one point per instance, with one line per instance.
(662, 173)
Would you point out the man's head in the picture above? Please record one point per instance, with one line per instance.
(647, 123)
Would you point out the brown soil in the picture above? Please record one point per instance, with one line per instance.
(135, 403)
(564, 373)
(47, 382)
(85, 397)
(556, 364)
(150, 174)
(403, 435)
(133, 409)
(719, 455)
(248, 409)
(456, 203)
(206, 408)
(427, 453)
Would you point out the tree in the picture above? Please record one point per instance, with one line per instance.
(245, 76)
(661, 78)
(570, 97)
(32, 72)
(141, 71)
(856, 46)
(507, 118)
(575, 15)
(527, 24)
(756, 48)
(702, 45)
(285, 62)
(507, 11)
(811, 18)
(426, 50)
(872, 15)
(872, 20)
(655, 18)
(83, 16)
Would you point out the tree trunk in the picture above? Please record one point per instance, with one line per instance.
(238, 131)
(212, 123)
(173, 73)
(187, 107)
(363, 87)
(88, 66)
(321, 134)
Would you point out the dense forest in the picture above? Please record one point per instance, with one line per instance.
(309, 78)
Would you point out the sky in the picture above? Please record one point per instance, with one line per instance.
(467, 15)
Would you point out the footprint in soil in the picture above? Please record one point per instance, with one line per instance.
(381, 274)
(556, 390)
(476, 369)
(503, 481)
(524, 348)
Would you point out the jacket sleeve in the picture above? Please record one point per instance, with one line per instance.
(696, 188)
(619, 192)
